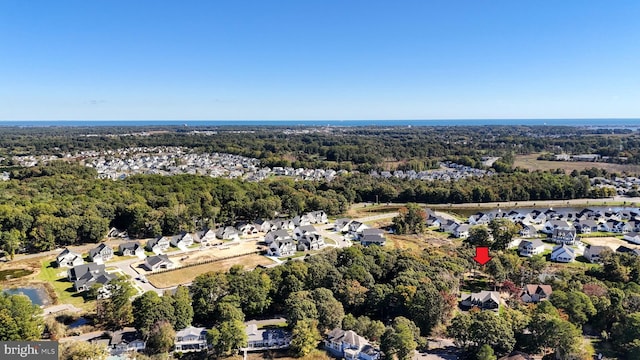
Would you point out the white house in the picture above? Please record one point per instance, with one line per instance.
(101, 254)
(228, 233)
(303, 230)
(356, 227)
(282, 248)
(311, 242)
(551, 225)
(206, 237)
(632, 237)
(153, 263)
(159, 244)
(372, 237)
(341, 225)
(530, 248)
(564, 236)
(461, 231)
(191, 339)
(182, 241)
(318, 217)
(593, 252)
(479, 219)
(131, 249)
(350, 346)
(277, 235)
(68, 258)
(266, 339)
(126, 340)
(563, 253)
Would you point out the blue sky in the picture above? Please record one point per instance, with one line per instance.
(318, 59)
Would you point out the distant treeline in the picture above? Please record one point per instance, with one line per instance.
(351, 148)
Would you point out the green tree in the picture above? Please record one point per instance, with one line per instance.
(10, 241)
(410, 220)
(227, 337)
(399, 339)
(576, 304)
(485, 353)
(183, 310)
(253, 288)
(330, 310)
(150, 308)
(161, 338)
(116, 311)
(19, 318)
(479, 236)
(503, 230)
(305, 337)
(207, 289)
(300, 306)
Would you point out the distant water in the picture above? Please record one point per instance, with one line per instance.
(594, 123)
(37, 296)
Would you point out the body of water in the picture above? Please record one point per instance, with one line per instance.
(595, 123)
(38, 296)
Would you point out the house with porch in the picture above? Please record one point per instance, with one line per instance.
(266, 339)
(341, 225)
(564, 236)
(632, 237)
(310, 242)
(159, 245)
(281, 248)
(228, 233)
(303, 230)
(593, 253)
(206, 237)
(191, 339)
(530, 248)
(349, 345)
(86, 275)
(277, 235)
(182, 240)
(126, 340)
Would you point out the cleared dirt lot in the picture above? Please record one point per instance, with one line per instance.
(186, 275)
(611, 242)
(232, 248)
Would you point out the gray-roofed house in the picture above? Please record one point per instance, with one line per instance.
(157, 262)
(530, 248)
(341, 225)
(551, 225)
(485, 300)
(84, 276)
(461, 231)
(564, 236)
(126, 340)
(282, 248)
(266, 339)
(303, 230)
(131, 249)
(277, 235)
(206, 237)
(593, 253)
(349, 345)
(632, 237)
(372, 237)
(191, 339)
(68, 258)
(587, 226)
(101, 254)
(356, 227)
(527, 230)
(627, 250)
(311, 242)
(563, 253)
(182, 241)
(228, 233)
(159, 244)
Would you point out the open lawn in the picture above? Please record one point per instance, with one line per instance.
(532, 163)
(186, 275)
(612, 242)
(55, 280)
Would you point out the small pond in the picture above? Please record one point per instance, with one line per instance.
(37, 295)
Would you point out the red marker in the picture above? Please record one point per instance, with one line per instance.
(482, 255)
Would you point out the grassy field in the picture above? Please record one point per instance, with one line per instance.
(418, 242)
(532, 163)
(186, 275)
(62, 287)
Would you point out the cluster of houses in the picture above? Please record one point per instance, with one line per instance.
(360, 232)
(344, 344)
(448, 171)
(285, 237)
(559, 227)
(622, 185)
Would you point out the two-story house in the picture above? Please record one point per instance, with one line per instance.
(68, 258)
(158, 262)
(101, 254)
(563, 253)
(282, 248)
(159, 245)
(530, 248)
(485, 300)
(266, 339)
(131, 249)
(350, 346)
(191, 339)
(534, 293)
(564, 236)
(311, 242)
